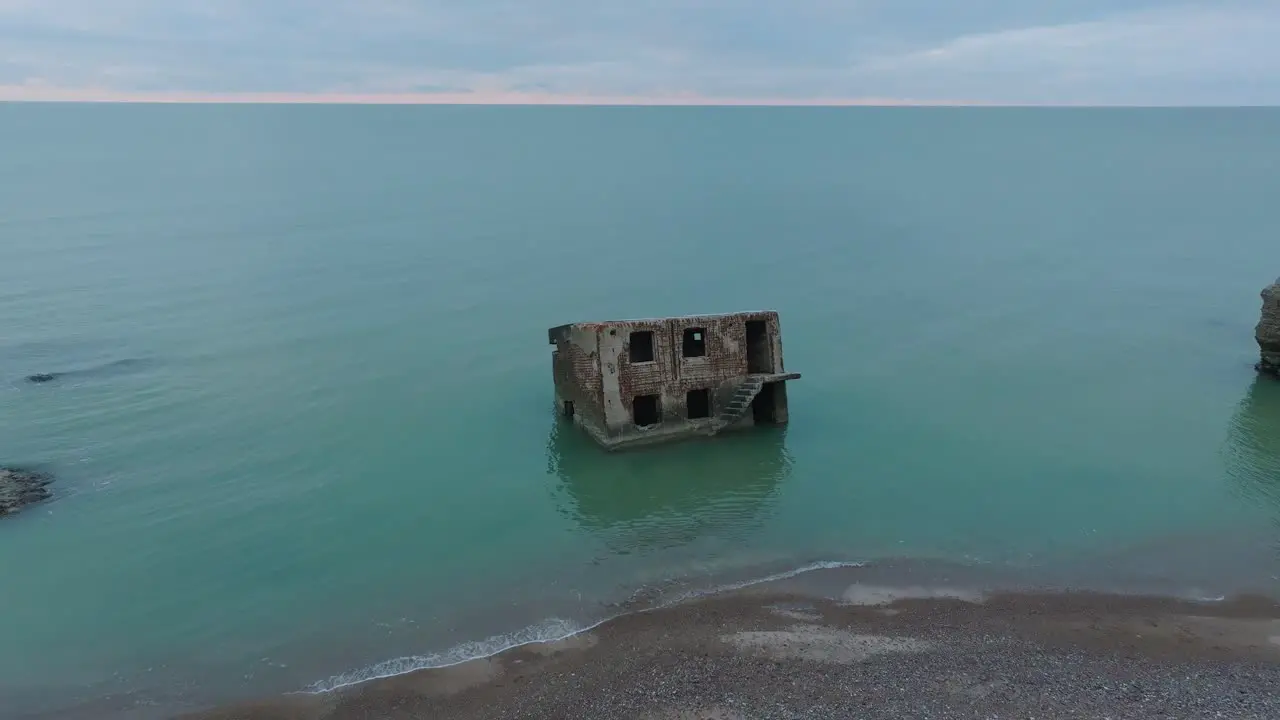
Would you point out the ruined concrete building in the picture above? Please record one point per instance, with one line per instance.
(632, 382)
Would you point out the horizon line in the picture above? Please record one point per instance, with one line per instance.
(35, 94)
(42, 94)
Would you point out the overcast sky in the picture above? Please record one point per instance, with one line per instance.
(1020, 51)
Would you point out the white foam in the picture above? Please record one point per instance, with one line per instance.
(547, 631)
(552, 630)
(785, 575)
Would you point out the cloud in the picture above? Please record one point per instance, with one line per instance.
(1217, 54)
(1010, 51)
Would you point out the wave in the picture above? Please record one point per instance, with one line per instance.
(775, 577)
(548, 631)
(655, 597)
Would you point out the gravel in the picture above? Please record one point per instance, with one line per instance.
(748, 657)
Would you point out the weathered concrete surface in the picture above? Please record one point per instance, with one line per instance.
(598, 381)
(19, 488)
(1268, 331)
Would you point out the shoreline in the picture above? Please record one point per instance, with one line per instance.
(791, 647)
(1111, 579)
(908, 577)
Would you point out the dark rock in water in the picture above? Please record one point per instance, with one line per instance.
(1268, 331)
(116, 367)
(19, 488)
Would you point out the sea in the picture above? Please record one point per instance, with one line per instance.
(303, 430)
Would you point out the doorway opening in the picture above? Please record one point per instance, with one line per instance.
(764, 409)
(644, 409)
(568, 408)
(698, 403)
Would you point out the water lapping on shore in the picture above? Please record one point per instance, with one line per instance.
(859, 582)
(556, 629)
(1219, 571)
(550, 630)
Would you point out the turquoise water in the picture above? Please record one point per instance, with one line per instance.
(308, 428)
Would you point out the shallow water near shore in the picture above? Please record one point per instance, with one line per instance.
(303, 425)
(882, 651)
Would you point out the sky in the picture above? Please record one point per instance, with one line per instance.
(1090, 52)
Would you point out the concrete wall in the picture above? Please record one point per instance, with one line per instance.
(576, 369)
(593, 367)
(672, 376)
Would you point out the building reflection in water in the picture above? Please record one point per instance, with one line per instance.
(668, 495)
(1253, 444)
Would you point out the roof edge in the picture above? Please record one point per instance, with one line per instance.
(708, 316)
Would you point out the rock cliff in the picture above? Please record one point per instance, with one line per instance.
(1268, 332)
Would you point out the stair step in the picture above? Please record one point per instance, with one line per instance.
(740, 401)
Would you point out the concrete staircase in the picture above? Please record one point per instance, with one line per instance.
(740, 403)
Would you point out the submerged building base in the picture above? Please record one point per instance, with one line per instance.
(759, 399)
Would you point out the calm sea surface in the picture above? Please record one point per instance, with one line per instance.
(307, 433)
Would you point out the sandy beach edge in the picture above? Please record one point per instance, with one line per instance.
(776, 650)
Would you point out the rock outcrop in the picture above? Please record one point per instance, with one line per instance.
(116, 367)
(19, 488)
(1268, 332)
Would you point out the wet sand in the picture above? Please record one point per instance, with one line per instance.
(772, 652)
